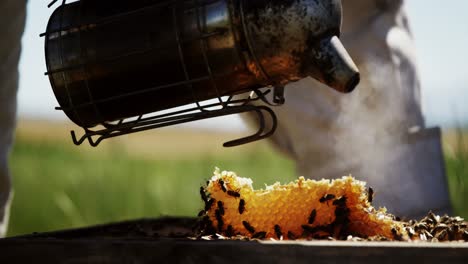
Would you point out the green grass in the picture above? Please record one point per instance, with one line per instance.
(457, 171)
(58, 185)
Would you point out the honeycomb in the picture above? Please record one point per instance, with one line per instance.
(300, 209)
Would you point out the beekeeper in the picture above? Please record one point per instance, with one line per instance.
(377, 132)
(12, 18)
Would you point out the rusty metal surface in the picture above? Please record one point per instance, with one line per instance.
(114, 62)
(294, 39)
(137, 242)
(154, 55)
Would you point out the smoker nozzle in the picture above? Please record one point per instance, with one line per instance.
(332, 65)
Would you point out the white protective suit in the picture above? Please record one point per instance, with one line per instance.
(367, 133)
(12, 18)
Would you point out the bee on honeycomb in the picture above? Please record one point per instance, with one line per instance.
(301, 209)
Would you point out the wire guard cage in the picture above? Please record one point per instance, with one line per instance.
(119, 67)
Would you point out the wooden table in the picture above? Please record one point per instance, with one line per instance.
(164, 241)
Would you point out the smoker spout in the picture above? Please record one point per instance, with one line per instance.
(332, 65)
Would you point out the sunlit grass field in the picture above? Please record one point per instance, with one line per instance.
(58, 185)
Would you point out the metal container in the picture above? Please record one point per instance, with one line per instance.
(109, 60)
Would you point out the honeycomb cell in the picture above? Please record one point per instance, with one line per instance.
(339, 207)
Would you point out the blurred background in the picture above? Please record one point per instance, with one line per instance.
(58, 185)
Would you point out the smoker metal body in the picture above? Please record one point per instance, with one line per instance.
(108, 61)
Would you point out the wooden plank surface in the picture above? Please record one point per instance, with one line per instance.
(121, 243)
(184, 251)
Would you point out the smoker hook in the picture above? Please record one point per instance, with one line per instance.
(142, 124)
(260, 134)
(88, 136)
(77, 141)
(251, 138)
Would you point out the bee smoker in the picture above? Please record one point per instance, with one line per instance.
(119, 66)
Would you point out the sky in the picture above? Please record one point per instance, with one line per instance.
(440, 29)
